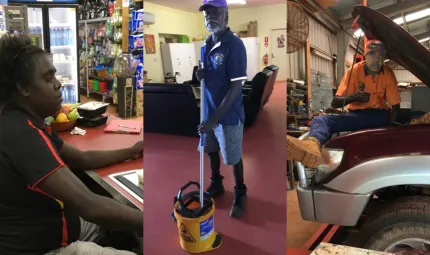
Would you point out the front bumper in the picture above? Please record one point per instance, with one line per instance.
(320, 204)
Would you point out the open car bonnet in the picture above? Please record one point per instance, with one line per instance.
(402, 47)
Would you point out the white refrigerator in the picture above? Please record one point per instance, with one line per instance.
(252, 56)
(179, 59)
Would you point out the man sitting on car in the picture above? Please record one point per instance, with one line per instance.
(369, 92)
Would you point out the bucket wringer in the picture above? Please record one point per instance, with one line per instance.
(196, 222)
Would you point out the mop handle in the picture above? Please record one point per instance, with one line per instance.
(202, 139)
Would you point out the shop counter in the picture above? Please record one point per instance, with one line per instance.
(97, 139)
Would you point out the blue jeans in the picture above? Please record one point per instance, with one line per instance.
(228, 140)
(323, 127)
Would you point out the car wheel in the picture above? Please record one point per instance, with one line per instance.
(402, 227)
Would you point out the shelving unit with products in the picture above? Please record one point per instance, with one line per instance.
(297, 101)
(103, 41)
(101, 44)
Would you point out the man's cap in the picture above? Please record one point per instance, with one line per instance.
(375, 45)
(214, 3)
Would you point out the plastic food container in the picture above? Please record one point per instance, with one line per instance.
(92, 110)
(95, 122)
(103, 85)
(90, 84)
(101, 71)
(96, 85)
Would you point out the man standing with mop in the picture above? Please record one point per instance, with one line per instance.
(224, 72)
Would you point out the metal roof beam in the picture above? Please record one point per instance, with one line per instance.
(394, 9)
(422, 35)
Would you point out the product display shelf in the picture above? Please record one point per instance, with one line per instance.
(87, 65)
(106, 59)
(85, 76)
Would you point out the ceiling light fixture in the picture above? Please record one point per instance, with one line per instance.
(424, 40)
(358, 33)
(236, 1)
(409, 18)
(413, 16)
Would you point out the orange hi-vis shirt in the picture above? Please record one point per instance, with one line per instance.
(382, 89)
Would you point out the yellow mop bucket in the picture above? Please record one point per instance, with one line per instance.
(195, 222)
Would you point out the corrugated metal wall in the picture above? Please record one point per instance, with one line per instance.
(296, 65)
(322, 65)
(403, 75)
(320, 38)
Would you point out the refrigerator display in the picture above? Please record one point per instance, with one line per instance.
(35, 26)
(63, 46)
(38, 1)
(2, 19)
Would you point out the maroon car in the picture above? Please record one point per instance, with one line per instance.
(387, 169)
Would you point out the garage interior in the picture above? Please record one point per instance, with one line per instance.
(321, 47)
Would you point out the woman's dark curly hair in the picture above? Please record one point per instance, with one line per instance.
(17, 63)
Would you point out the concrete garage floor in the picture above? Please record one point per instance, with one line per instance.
(298, 230)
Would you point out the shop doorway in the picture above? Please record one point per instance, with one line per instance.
(279, 52)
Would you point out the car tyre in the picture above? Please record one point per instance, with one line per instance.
(406, 217)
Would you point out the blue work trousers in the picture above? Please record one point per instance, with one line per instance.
(323, 127)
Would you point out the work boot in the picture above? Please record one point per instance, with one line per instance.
(425, 119)
(307, 152)
(216, 188)
(239, 202)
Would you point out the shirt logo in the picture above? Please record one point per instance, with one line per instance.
(218, 59)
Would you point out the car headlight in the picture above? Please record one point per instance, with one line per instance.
(333, 158)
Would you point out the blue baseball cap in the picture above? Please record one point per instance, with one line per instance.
(214, 3)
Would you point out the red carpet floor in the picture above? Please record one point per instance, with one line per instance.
(172, 161)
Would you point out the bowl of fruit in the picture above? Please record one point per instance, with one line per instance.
(65, 119)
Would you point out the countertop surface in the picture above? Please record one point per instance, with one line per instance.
(97, 139)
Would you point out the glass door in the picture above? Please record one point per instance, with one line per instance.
(35, 26)
(63, 43)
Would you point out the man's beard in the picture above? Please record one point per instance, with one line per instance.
(213, 28)
(375, 68)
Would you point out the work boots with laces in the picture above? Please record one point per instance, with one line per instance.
(216, 188)
(425, 119)
(239, 202)
(307, 152)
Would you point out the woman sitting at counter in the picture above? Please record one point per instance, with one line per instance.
(44, 207)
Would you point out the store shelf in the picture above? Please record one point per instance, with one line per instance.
(68, 85)
(94, 20)
(100, 78)
(104, 95)
(64, 62)
(61, 47)
(60, 25)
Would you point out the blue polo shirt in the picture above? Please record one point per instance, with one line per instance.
(224, 63)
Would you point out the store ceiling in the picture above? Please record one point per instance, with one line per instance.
(419, 28)
(193, 5)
